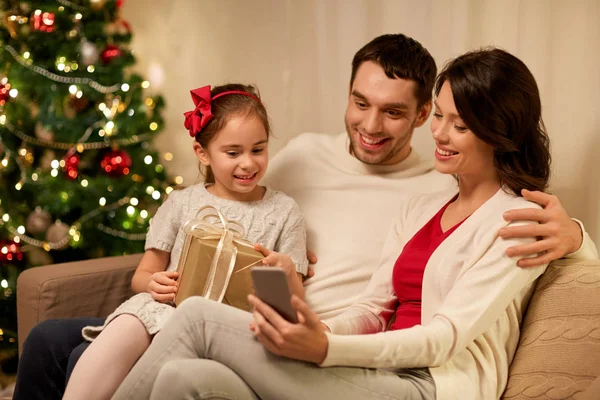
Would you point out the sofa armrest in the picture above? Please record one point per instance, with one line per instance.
(558, 356)
(91, 288)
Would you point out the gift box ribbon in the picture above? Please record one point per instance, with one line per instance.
(209, 223)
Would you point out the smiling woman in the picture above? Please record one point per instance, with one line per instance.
(458, 151)
(509, 124)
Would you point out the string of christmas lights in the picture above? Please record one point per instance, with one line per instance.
(73, 232)
(66, 146)
(72, 5)
(121, 234)
(61, 79)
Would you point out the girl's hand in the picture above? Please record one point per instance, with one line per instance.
(305, 341)
(163, 286)
(284, 262)
(274, 259)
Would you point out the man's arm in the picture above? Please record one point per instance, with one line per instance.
(558, 235)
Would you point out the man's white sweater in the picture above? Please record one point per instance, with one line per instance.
(348, 207)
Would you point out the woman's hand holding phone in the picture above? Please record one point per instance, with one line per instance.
(305, 340)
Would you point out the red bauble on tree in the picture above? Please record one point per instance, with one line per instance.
(4, 89)
(71, 168)
(42, 21)
(116, 163)
(10, 251)
(109, 53)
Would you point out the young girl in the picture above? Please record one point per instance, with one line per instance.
(231, 131)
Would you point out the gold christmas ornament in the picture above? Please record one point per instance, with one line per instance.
(58, 232)
(97, 5)
(38, 221)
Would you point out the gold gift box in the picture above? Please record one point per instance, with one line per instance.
(197, 265)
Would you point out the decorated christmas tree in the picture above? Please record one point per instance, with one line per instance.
(78, 176)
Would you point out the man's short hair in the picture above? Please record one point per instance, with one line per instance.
(400, 57)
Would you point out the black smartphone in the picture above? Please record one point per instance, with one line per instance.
(271, 286)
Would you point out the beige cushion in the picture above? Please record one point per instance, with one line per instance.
(559, 350)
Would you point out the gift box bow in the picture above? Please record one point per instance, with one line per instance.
(209, 223)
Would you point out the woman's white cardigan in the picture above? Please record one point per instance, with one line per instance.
(473, 299)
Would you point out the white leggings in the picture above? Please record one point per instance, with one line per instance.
(206, 351)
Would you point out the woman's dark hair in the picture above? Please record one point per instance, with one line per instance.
(400, 57)
(226, 107)
(498, 99)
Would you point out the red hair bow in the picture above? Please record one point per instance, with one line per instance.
(198, 118)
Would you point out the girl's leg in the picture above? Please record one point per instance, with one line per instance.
(203, 329)
(106, 362)
(199, 379)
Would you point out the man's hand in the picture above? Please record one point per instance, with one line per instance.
(557, 234)
(163, 286)
(312, 259)
(305, 341)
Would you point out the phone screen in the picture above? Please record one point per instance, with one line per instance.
(271, 286)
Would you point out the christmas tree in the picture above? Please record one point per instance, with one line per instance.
(78, 176)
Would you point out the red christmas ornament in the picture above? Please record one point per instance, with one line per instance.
(109, 53)
(116, 163)
(42, 21)
(4, 96)
(120, 3)
(71, 168)
(10, 251)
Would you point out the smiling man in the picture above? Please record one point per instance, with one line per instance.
(381, 116)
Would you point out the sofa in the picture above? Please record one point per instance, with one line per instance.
(558, 356)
